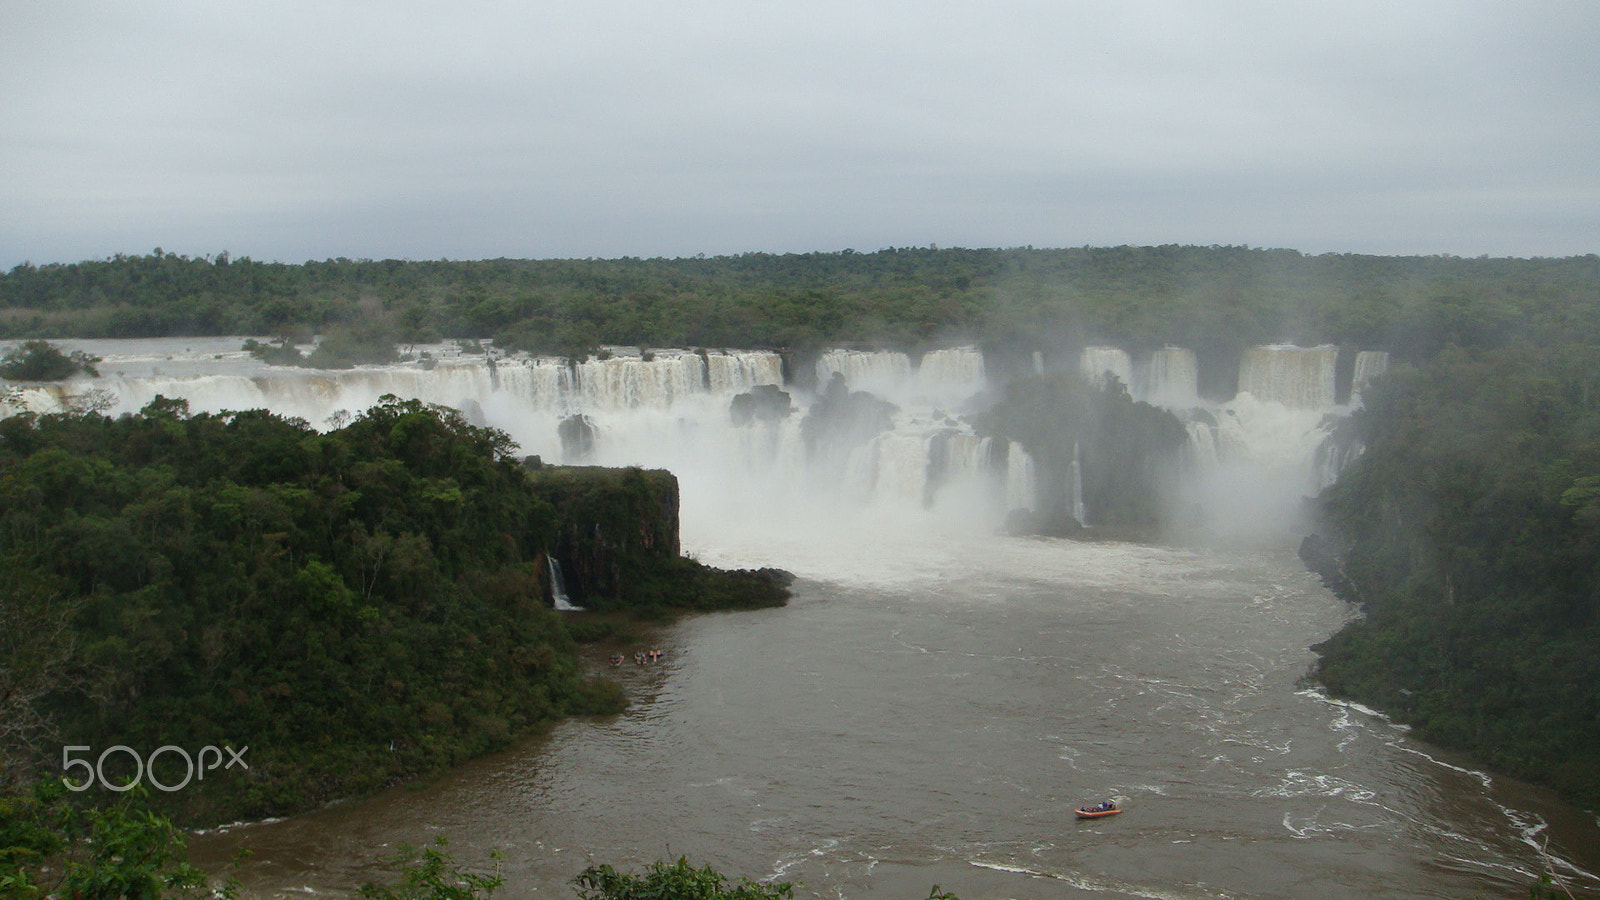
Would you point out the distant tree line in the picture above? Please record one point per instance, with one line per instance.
(1213, 299)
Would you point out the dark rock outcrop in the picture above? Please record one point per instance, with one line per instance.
(1323, 558)
(841, 420)
(762, 403)
(577, 438)
(616, 541)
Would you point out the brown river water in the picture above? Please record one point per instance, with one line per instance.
(929, 709)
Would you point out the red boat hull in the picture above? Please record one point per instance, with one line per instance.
(1096, 813)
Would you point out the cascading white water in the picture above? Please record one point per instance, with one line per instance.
(1075, 486)
(43, 399)
(1369, 365)
(671, 409)
(667, 408)
(1297, 377)
(632, 382)
(1170, 378)
(1021, 481)
(898, 463)
(558, 588)
(956, 368)
(894, 469)
(1203, 450)
(313, 394)
(880, 372)
(1095, 363)
(1258, 455)
(1253, 457)
(731, 373)
(966, 455)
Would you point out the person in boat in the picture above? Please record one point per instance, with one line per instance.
(616, 659)
(1106, 806)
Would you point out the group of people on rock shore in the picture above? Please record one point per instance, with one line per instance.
(640, 657)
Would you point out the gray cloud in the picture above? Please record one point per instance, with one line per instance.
(307, 130)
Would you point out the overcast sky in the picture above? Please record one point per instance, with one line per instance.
(531, 128)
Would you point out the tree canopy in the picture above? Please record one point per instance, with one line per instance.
(1472, 526)
(38, 360)
(1214, 299)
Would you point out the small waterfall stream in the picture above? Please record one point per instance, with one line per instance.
(558, 587)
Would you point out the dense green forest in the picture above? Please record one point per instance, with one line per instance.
(1213, 299)
(1470, 533)
(356, 607)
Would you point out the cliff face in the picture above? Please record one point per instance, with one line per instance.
(616, 540)
(617, 533)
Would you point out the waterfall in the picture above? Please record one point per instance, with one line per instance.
(42, 399)
(539, 383)
(882, 372)
(966, 455)
(1369, 365)
(312, 394)
(627, 382)
(732, 373)
(671, 409)
(1096, 363)
(558, 587)
(1202, 444)
(1169, 378)
(959, 367)
(1297, 377)
(1075, 487)
(1020, 479)
(899, 469)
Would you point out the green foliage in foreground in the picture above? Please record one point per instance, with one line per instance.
(673, 881)
(1472, 528)
(356, 607)
(50, 847)
(432, 874)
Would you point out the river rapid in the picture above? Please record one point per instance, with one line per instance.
(931, 706)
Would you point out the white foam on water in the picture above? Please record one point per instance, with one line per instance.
(1102, 886)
